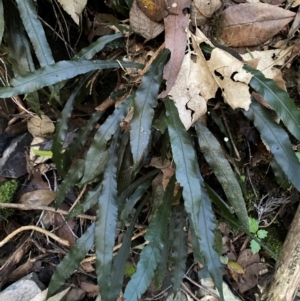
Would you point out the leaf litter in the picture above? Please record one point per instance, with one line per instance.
(195, 78)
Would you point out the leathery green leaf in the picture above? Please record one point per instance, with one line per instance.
(35, 32)
(120, 260)
(151, 254)
(179, 249)
(186, 161)
(214, 156)
(278, 141)
(194, 192)
(145, 101)
(71, 261)
(106, 220)
(19, 50)
(79, 140)
(88, 52)
(90, 199)
(95, 156)
(206, 226)
(56, 73)
(71, 179)
(61, 128)
(278, 99)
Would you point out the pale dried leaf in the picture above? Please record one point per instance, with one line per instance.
(73, 7)
(251, 24)
(176, 25)
(196, 17)
(38, 197)
(295, 26)
(231, 78)
(267, 60)
(40, 127)
(186, 93)
(207, 84)
(208, 7)
(295, 3)
(141, 24)
(43, 296)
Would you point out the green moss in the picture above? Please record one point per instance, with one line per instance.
(7, 192)
(274, 240)
(130, 269)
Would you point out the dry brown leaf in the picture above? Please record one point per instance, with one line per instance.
(176, 40)
(186, 92)
(63, 228)
(91, 288)
(231, 78)
(38, 197)
(40, 127)
(208, 7)
(251, 24)
(141, 24)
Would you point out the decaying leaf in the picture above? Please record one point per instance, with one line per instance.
(231, 78)
(267, 60)
(251, 24)
(73, 7)
(208, 7)
(38, 197)
(207, 83)
(176, 24)
(141, 24)
(186, 92)
(40, 127)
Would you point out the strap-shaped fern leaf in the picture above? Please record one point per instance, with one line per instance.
(87, 53)
(278, 99)
(35, 32)
(278, 141)
(145, 101)
(214, 156)
(73, 176)
(179, 249)
(71, 261)
(151, 254)
(196, 200)
(90, 199)
(53, 74)
(106, 220)
(95, 157)
(61, 160)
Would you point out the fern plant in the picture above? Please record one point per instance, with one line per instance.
(114, 164)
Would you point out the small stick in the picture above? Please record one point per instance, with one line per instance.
(25, 228)
(42, 208)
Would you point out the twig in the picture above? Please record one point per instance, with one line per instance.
(25, 228)
(79, 197)
(117, 247)
(33, 207)
(187, 290)
(201, 286)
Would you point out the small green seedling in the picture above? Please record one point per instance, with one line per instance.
(259, 233)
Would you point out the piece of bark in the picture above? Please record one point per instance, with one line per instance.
(284, 283)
